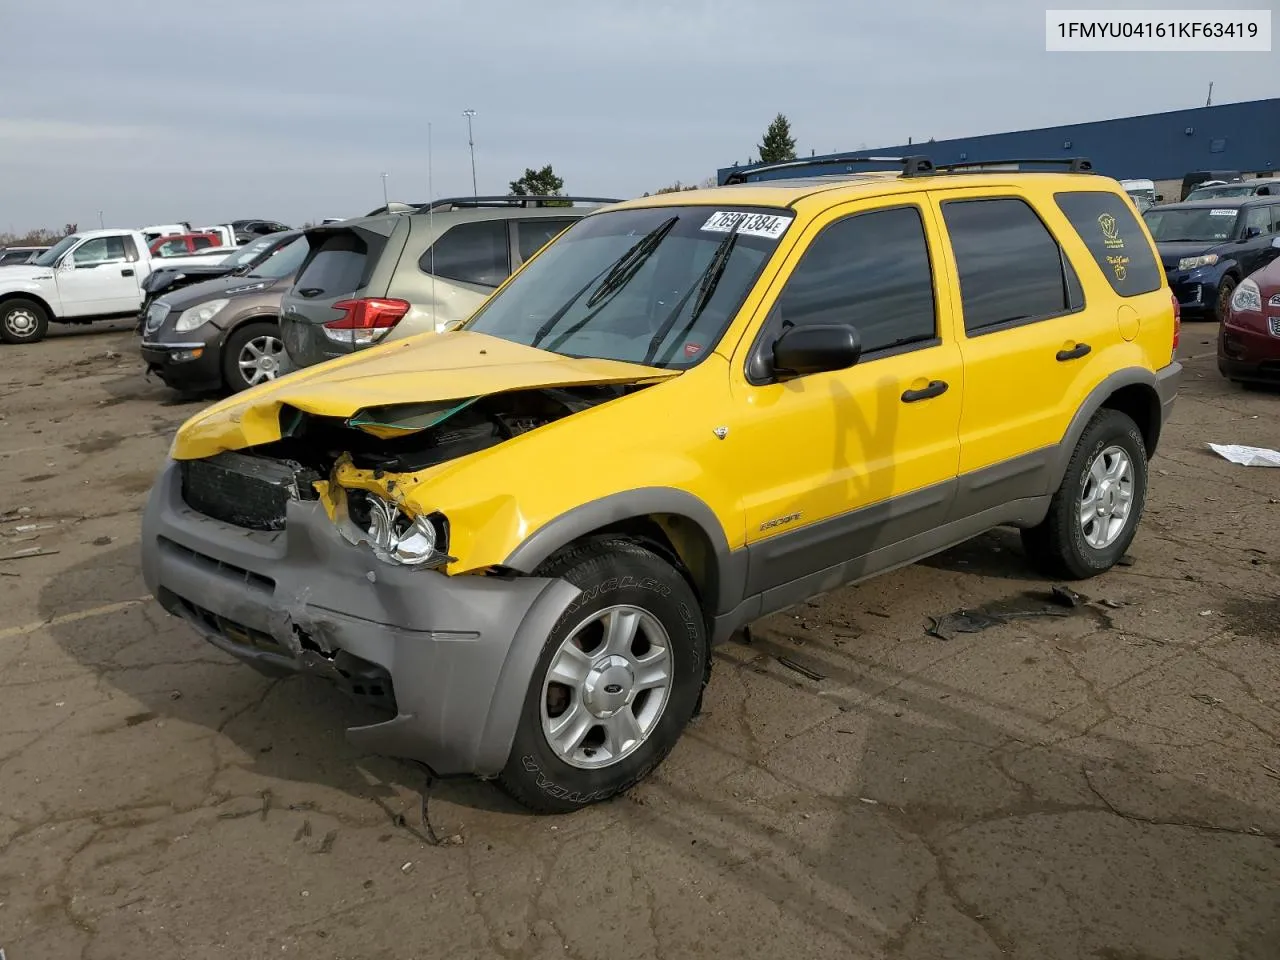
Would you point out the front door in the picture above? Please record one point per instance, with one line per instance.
(99, 278)
(1258, 231)
(841, 464)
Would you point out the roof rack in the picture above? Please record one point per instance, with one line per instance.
(1073, 164)
(915, 166)
(541, 200)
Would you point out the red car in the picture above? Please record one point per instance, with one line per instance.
(1249, 341)
(184, 244)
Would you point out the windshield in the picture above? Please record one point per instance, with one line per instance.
(50, 256)
(284, 261)
(656, 286)
(247, 254)
(1235, 190)
(1203, 223)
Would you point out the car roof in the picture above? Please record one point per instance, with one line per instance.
(1217, 203)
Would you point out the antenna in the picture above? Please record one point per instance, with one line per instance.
(1208, 102)
(431, 229)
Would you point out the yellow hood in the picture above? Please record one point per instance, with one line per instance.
(422, 369)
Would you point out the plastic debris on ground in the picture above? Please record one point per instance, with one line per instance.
(1247, 456)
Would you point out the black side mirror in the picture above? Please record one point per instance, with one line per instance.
(1159, 197)
(1251, 232)
(816, 348)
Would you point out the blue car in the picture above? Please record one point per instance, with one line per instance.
(1208, 246)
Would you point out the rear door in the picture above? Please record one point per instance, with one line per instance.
(346, 262)
(455, 274)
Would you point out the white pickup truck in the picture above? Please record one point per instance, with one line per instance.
(94, 275)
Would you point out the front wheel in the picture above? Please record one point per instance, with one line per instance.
(23, 321)
(1094, 515)
(252, 355)
(1223, 306)
(618, 679)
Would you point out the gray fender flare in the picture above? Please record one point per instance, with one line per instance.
(1128, 377)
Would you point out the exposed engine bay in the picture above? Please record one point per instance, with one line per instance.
(251, 488)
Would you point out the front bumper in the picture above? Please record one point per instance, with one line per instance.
(451, 656)
(1249, 348)
(1195, 296)
(174, 365)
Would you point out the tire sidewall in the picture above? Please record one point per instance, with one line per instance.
(42, 321)
(1226, 288)
(640, 580)
(1113, 430)
(235, 342)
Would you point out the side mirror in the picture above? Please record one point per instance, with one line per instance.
(816, 348)
(1159, 197)
(66, 264)
(1251, 232)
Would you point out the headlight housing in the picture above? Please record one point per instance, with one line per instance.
(1192, 263)
(1247, 297)
(393, 535)
(194, 317)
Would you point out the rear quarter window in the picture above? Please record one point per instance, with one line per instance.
(1106, 224)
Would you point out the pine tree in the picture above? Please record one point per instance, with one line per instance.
(778, 145)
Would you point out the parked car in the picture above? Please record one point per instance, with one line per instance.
(165, 279)
(1207, 246)
(1242, 188)
(518, 539)
(94, 275)
(184, 244)
(247, 231)
(19, 255)
(1249, 340)
(222, 333)
(390, 276)
(158, 230)
(1142, 193)
(1199, 177)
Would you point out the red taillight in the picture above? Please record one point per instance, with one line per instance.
(366, 320)
(1177, 321)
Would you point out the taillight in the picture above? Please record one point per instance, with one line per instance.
(366, 320)
(1177, 322)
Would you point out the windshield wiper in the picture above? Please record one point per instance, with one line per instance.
(705, 290)
(619, 274)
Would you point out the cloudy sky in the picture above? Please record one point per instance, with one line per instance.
(206, 110)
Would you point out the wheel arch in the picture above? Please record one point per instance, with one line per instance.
(1131, 391)
(673, 523)
(33, 297)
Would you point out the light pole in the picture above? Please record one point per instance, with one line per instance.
(470, 115)
(101, 222)
(385, 202)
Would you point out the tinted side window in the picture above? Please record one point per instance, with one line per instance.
(201, 243)
(1109, 229)
(337, 266)
(1011, 268)
(871, 270)
(533, 235)
(472, 253)
(99, 250)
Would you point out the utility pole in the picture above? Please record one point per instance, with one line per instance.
(470, 115)
(1209, 99)
(385, 201)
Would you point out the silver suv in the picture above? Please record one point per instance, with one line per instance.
(396, 274)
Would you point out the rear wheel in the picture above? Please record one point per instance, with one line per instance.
(1225, 289)
(1094, 514)
(252, 355)
(23, 321)
(618, 679)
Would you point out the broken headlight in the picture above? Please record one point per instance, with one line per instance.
(396, 537)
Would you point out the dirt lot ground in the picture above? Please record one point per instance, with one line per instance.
(1100, 784)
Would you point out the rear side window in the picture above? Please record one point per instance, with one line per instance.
(337, 267)
(1257, 220)
(471, 253)
(533, 235)
(202, 243)
(1011, 268)
(1109, 229)
(871, 270)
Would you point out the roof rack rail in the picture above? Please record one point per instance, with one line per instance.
(1073, 164)
(915, 166)
(509, 200)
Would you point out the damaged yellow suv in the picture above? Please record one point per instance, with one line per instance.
(521, 537)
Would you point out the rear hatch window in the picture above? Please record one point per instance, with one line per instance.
(339, 266)
(1106, 224)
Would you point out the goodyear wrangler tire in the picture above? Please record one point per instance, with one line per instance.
(616, 683)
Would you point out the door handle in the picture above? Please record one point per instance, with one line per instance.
(1075, 353)
(127, 272)
(936, 388)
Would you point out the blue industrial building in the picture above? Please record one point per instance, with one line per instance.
(1155, 146)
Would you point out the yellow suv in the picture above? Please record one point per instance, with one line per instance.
(520, 538)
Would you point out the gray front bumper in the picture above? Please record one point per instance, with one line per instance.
(459, 652)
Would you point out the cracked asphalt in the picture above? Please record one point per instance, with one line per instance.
(1100, 783)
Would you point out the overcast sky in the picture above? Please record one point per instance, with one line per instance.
(212, 110)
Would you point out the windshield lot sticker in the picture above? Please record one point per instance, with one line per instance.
(753, 224)
(1219, 212)
(1110, 232)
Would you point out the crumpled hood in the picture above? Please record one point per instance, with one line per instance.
(430, 367)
